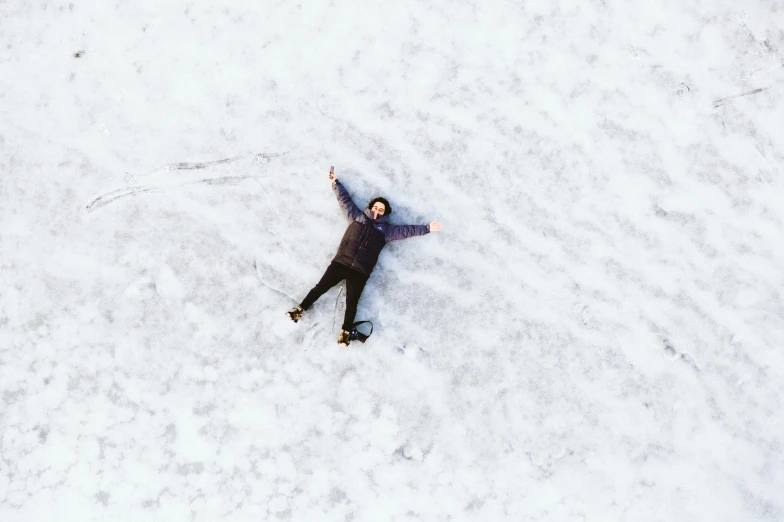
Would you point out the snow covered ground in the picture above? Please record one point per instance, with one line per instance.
(596, 335)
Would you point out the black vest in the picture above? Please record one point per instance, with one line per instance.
(360, 247)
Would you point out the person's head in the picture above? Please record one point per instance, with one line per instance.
(379, 207)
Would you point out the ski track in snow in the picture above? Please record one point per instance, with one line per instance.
(105, 199)
(595, 335)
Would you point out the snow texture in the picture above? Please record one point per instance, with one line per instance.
(596, 334)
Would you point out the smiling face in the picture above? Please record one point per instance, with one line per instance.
(378, 209)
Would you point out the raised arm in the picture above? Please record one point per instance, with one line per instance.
(350, 210)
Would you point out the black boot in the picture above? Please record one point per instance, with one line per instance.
(295, 314)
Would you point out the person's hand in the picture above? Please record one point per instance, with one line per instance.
(436, 226)
(332, 177)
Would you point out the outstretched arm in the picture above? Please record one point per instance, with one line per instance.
(397, 232)
(350, 210)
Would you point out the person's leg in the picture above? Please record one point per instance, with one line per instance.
(334, 275)
(355, 283)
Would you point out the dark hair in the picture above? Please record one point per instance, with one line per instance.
(387, 207)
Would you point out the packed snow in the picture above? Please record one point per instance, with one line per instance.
(596, 334)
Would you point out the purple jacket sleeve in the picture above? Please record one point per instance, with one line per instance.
(396, 232)
(350, 210)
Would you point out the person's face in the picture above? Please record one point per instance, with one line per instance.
(378, 209)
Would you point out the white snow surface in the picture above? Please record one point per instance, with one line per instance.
(596, 334)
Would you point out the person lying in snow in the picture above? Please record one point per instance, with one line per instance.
(358, 252)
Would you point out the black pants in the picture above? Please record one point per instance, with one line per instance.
(355, 283)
